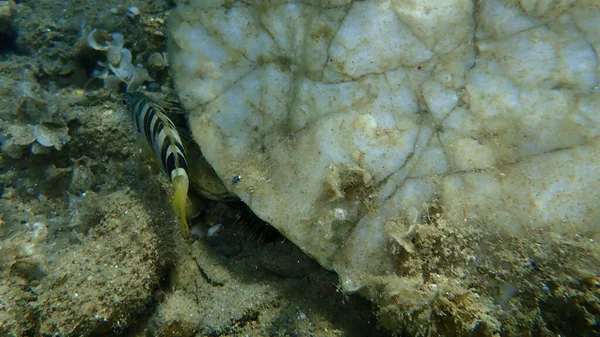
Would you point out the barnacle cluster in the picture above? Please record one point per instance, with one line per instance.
(118, 67)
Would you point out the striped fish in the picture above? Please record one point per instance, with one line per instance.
(153, 124)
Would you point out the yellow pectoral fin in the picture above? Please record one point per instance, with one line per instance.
(180, 183)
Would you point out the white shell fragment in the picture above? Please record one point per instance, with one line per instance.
(114, 55)
(119, 61)
(52, 136)
(97, 39)
(157, 60)
(133, 12)
(360, 126)
(123, 69)
(118, 40)
(212, 230)
(139, 76)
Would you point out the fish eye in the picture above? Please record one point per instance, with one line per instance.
(124, 101)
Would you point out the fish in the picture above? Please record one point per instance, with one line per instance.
(159, 132)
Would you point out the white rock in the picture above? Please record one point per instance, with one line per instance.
(489, 113)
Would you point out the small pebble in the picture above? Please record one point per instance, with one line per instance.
(153, 87)
(196, 231)
(133, 12)
(213, 230)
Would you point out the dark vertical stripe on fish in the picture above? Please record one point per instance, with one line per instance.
(147, 118)
(158, 130)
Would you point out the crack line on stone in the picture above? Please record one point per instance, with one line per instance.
(406, 162)
(334, 35)
(233, 83)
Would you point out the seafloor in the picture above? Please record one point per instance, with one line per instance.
(89, 245)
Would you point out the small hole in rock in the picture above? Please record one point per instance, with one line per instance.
(8, 39)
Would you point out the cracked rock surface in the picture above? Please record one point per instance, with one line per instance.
(393, 140)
